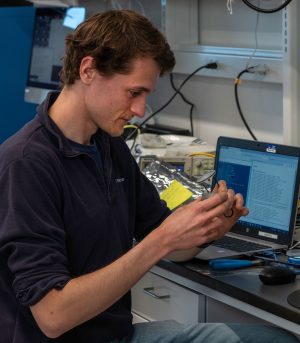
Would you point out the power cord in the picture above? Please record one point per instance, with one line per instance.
(136, 130)
(236, 84)
(212, 65)
(256, 40)
(295, 245)
(207, 154)
(264, 10)
(186, 101)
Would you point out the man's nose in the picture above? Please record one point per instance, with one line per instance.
(138, 106)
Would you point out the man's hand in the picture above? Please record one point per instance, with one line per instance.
(237, 210)
(88, 295)
(202, 221)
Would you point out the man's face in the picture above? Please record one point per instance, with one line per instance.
(113, 101)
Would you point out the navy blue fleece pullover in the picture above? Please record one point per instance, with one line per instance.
(61, 217)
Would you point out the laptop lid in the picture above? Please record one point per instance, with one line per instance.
(267, 175)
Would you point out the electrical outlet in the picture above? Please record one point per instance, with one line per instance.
(261, 69)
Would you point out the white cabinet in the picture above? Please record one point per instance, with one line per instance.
(162, 295)
(155, 298)
(217, 312)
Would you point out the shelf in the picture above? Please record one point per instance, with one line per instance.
(230, 62)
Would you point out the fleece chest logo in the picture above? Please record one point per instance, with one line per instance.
(119, 180)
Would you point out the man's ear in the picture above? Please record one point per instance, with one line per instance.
(87, 70)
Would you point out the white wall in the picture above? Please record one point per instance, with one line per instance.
(216, 113)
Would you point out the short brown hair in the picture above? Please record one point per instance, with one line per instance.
(114, 38)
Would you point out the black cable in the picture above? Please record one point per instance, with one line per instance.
(186, 101)
(236, 83)
(212, 65)
(264, 10)
(275, 261)
(133, 143)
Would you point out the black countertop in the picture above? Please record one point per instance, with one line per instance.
(242, 284)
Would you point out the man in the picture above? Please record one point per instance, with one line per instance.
(73, 199)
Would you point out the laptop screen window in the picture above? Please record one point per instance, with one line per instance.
(266, 182)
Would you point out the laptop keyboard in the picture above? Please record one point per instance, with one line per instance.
(238, 245)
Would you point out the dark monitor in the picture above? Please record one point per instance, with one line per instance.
(50, 29)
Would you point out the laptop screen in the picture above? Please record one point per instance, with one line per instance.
(268, 178)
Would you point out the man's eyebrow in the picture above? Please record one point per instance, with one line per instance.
(141, 89)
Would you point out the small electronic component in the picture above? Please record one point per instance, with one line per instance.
(192, 165)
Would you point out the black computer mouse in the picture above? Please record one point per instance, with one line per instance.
(277, 275)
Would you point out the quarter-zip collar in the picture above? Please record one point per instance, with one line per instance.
(101, 138)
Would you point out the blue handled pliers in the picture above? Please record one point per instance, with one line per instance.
(228, 264)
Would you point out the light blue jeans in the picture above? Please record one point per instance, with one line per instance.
(172, 332)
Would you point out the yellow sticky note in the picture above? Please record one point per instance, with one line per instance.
(175, 195)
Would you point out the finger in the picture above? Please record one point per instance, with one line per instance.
(213, 200)
(231, 196)
(220, 186)
(237, 213)
(210, 213)
(239, 201)
(216, 187)
(239, 205)
(244, 211)
(209, 195)
(231, 199)
(229, 213)
(216, 229)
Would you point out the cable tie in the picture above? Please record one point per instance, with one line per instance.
(238, 81)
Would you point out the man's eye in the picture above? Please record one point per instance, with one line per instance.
(134, 94)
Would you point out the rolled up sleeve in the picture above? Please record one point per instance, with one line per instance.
(32, 235)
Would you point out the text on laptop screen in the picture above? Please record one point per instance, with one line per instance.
(265, 180)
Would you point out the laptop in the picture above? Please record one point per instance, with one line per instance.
(267, 175)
